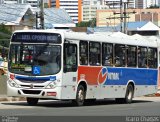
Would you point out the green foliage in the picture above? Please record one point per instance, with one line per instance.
(91, 23)
(5, 35)
(152, 7)
(4, 29)
(4, 42)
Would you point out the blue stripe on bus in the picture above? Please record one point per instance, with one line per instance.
(36, 78)
(120, 76)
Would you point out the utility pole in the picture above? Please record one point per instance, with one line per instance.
(121, 15)
(42, 14)
(37, 20)
(125, 21)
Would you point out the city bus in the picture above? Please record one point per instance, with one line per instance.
(80, 67)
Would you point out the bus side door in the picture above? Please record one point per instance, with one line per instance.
(70, 64)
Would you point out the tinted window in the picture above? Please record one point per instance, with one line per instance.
(152, 57)
(120, 55)
(107, 54)
(83, 53)
(94, 53)
(142, 57)
(131, 56)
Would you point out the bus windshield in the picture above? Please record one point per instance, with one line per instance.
(34, 59)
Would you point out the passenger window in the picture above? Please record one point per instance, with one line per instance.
(131, 56)
(70, 57)
(107, 54)
(94, 53)
(152, 57)
(120, 55)
(142, 57)
(83, 52)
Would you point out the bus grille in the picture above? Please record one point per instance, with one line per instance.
(31, 91)
(29, 86)
(27, 81)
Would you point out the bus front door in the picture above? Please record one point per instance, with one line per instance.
(70, 70)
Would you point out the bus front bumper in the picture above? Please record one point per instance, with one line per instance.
(32, 92)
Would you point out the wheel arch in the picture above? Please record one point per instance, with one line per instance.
(132, 83)
(83, 83)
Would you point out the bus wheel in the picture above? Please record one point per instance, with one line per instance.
(80, 96)
(129, 94)
(32, 101)
(128, 97)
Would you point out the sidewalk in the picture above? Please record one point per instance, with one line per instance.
(6, 98)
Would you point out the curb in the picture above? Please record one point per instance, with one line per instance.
(153, 95)
(12, 99)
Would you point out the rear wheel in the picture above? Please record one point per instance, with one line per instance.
(80, 96)
(32, 101)
(129, 94)
(128, 97)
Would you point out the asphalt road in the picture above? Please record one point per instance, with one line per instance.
(143, 106)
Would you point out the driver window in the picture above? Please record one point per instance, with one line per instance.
(70, 58)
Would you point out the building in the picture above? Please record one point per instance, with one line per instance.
(22, 16)
(146, 3)
(145, 28)
(108, 18)
(1, 1)
(10, 1)
(72, 7)
(89, 8)
(57, 18)
(33, 3)
(113, 4)
(132, 3)
(17, 16)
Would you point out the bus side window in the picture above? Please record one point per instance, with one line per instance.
(95, 53)
(132, 56)
(70, 58)
(142, 57)
(152, 57)
(83, 52)
(120, 55)
(107, 54)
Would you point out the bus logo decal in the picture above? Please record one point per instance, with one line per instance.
(102, 75)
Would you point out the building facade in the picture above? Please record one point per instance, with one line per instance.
(89, 8)
(72, 7)
(103, 16)
(33, 3)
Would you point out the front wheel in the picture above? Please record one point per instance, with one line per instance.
(32, 101)
(80, 96)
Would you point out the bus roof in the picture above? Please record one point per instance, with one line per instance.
(115, 37)
(108, 37)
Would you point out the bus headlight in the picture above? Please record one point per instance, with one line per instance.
(13, 83)
(51, 85)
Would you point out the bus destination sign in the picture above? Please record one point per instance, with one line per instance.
(31, 37)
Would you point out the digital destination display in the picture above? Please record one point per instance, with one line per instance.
(32, 37)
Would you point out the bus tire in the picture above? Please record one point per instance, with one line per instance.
(80, 96)
(32, 101)
(128, 96)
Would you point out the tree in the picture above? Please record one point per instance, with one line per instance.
(90, 23)
(153, 6)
